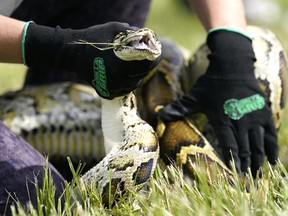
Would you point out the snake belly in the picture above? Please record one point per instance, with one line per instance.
(132, 159)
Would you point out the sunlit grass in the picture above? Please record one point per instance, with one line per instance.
(169, 192)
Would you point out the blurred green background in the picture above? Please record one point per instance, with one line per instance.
(173, 18)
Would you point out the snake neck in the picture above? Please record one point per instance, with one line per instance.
(116, 114)
(131, 146)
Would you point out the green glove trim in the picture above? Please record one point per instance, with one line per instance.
(100, 78)
(23, 41)
(236, 109)
(230, 28)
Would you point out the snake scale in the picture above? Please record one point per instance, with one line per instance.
(70, 119)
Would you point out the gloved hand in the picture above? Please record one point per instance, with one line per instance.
(110, 76)
(229, 94)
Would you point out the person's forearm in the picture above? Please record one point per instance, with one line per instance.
(217, 13)
(10, 40)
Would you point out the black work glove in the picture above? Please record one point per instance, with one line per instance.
(229, 94)
(109, 75)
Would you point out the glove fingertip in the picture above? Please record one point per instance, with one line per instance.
(271, 146)
(168, 114)
(273, 156)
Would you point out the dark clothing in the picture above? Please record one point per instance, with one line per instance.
(82, 13)
(20, 166)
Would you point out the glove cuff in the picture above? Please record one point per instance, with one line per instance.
(231, 29)
(232, 55)
(23, 41)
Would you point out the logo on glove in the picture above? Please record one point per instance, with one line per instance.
(100, 79)
(236, 109)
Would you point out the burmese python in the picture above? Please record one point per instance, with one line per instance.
(64, 119)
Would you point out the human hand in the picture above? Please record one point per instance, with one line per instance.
(229, 94)
(109, 75)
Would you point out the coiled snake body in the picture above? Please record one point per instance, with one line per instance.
(64, 119)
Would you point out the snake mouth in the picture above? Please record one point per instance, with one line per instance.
(143, 42)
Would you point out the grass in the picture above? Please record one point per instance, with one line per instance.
(168, 191)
